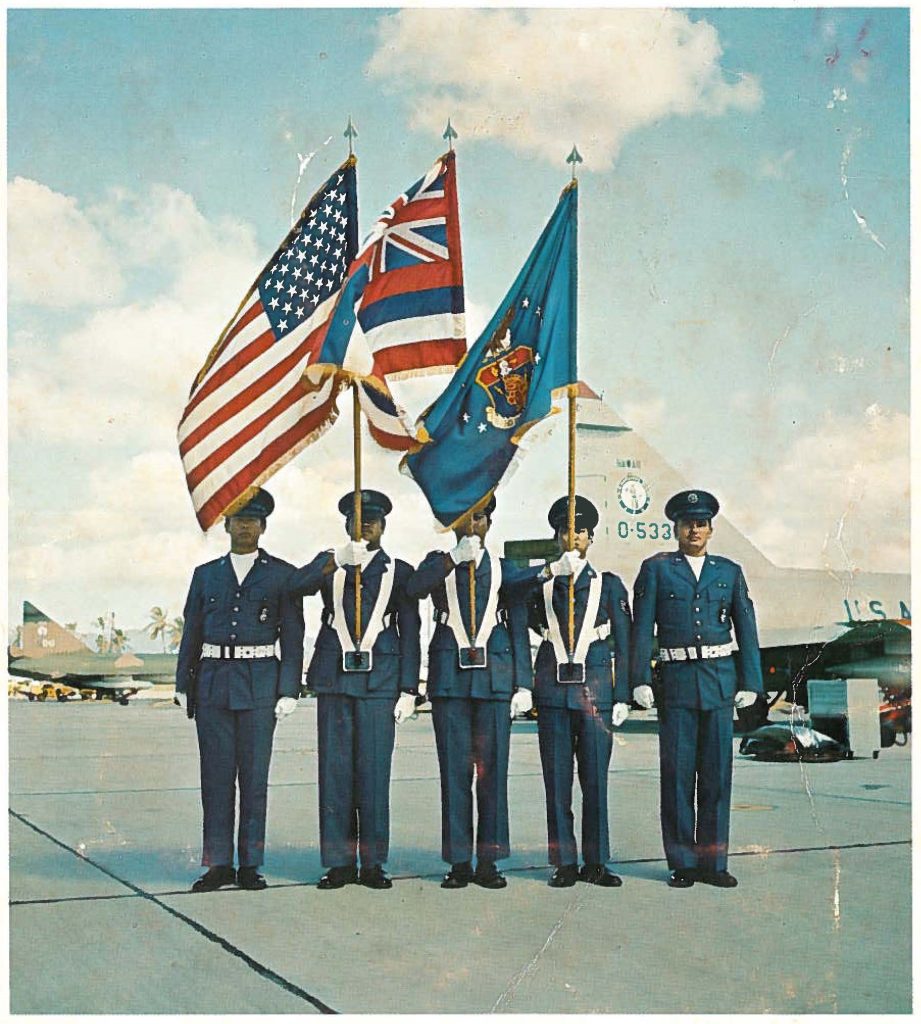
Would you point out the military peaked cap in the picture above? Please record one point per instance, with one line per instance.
(259, 506)
(374, 504)
(586, 514)
(691, 505)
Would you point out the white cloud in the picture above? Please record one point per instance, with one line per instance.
(844, 492)
(540, 79)
(122, 376)
(130, 531)
(57, 256)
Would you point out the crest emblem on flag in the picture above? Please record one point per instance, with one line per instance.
(506, 376)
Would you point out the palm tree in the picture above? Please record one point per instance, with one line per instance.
(175, 629)
(110, 640)
(119, 642)
(158, 625)
(102, 638)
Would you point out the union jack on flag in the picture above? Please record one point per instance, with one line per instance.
(405, 290)
(249, 411)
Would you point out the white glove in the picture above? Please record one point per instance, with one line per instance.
(745, 698)
(521, 703)
(284, 707)
(355, 552)
(465, 550)
(643, 696)
(620, 714)
(182, 699)
(565, 565)
(405, 708)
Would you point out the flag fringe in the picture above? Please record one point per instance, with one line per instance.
(424, 371)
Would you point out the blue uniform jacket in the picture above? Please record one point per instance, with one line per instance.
(605, 687)
(508, 656)
(258, 611)
(395, 654)
(688, 613)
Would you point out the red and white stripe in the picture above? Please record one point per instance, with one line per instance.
(249, 413)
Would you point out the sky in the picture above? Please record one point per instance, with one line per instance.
(743, 264)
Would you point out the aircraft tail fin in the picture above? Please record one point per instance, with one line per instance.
(41, 636)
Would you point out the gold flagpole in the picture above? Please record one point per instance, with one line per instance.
(350, 133)
(472, 571)
(450, 134)
(573, 158)
(356, 508)
(571, 391)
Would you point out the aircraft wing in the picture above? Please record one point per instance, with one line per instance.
(116, 684)
(801, 636)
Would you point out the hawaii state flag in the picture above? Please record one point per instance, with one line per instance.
(401, 311)
(506, 382)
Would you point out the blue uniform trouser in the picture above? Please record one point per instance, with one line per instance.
(695, 757)
(473, 737)
(355, 745)
(564, 734)
(235, 748)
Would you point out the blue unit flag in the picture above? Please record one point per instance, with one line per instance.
(505, 383)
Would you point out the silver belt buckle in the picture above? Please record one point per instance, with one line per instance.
(356, 661)
(471, 657)
(570, 672)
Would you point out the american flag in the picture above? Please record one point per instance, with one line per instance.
(249, 411)
(405, 288)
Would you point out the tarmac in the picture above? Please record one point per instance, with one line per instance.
(105, 824)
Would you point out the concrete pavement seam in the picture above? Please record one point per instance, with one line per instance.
(260, 969)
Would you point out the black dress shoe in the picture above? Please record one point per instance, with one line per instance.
(215, 878)
(598, 874)
(682, 878)
(564, 876)
(374, 877)
(459, 877)
(249, 878)
(336, 878)
(721, 879)
(489, 876)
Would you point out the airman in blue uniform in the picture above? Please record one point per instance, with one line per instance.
(578, 693)
(239, 670)
(693, 600)
(363, 687)
(476, 684)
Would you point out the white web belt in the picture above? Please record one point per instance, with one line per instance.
(694, 653)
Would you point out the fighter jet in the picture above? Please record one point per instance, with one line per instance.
(812, 623)
(54, 655)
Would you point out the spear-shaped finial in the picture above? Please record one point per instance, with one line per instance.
(351, 132)
(574, 158)
(450, 134)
